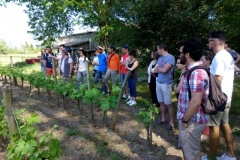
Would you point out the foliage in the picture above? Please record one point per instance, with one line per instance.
(110, 101)
(72, 132)
(3, 122)
(144, 115)
(24, 49)
(78, 93)
(92, 96)
(63, 88)
(27, 145)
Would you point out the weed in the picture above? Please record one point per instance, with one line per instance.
(72, 132)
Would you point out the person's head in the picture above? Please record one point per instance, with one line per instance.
(100, 49)
(43, 51)
(133, 54)
(62, 47)
(190, 50)
(110, 49)
(64, 53)
(162, 48)
(216, 41)
(125, 49)
(49, 49)
(155, 55)
(179, 65)
(81, 52)
(96, 52)
(206, 60)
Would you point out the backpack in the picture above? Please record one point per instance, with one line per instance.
(217, 100)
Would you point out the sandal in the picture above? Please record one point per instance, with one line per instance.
(161, 122)
(108, 93)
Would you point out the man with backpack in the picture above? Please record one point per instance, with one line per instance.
(192, 119)
(113, 68)
(222, 68)
(81, 67)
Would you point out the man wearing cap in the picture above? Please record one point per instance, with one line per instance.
(102, 68)
(66, 67)
(123, 69)
(113, 68)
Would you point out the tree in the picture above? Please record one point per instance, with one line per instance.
(3, 47)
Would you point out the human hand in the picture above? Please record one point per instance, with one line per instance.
(184, 125)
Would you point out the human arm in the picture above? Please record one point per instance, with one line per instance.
(238, 59)
(199, 84)
(133, 67)
(51, 56)
(165, 69)
(179, 86)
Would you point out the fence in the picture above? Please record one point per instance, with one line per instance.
(14, 58)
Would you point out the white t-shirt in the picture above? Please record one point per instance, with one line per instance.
(62, 65)
(223, 65)
(82, 64)
(59, 56)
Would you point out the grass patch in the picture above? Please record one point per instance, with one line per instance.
(72, 132)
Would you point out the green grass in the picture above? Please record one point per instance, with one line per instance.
(72, 132)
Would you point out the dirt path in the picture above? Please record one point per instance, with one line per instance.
(94, 141)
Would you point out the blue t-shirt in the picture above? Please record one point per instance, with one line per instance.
(102, 62)
(167, 77)
(48, 60)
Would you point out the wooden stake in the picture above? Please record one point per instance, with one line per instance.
(119, 100)
(11, 62)
(87, 72)
(7, 96)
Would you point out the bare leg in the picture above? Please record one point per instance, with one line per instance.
(227, 132)
(108, 89)
(163, 111)
(171, 114)
(214, 139)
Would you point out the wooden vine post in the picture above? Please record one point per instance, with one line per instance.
(119, 101)
(11, 62)
(87, 72)
(7, 96)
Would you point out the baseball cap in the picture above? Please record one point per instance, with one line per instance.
(125, 46)
(99, 47)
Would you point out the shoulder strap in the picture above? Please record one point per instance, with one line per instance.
(111, 57)
(189, 74)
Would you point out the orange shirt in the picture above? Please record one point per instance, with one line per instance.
(114, 62)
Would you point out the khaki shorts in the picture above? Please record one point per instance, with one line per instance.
(110, 73)
(190, 138)
(220, 117)
(164, 93)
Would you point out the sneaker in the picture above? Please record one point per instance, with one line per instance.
(204, 157)
(103, 92)
(133, 103)
(128, 99)
(124, 97)
(226, 157)
(129, 102)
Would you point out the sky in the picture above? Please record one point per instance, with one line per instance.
(14, 26)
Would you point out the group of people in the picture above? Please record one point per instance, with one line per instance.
(106, 65)
(192, 119)
(192, 93)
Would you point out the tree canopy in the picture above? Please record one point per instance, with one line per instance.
(139, 23)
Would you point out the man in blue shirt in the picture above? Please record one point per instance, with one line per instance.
(165, 69)
(102, 68)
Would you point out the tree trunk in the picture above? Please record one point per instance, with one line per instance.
(5, 77)
(104, 119)
(22, 81)
(30, 89)
(15, 80)
(38, 91)
(92, 116)
(80, 105)
(150, 129)
(64, 102)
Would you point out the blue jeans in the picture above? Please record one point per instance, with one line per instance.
(132, 84)
(81, 76)
(43, 69)
(98, 75)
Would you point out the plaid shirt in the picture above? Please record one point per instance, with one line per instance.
(198, 82)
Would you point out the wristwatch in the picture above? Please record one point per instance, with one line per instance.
(183, 120)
